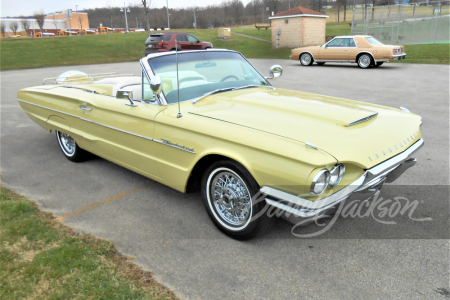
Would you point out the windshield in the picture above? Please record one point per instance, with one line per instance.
(203, 72)
(373, 41)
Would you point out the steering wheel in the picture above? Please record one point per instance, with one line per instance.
(229, 76)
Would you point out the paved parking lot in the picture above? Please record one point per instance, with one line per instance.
(170, 234)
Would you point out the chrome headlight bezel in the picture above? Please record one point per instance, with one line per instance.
(336, 175)
(319, 175)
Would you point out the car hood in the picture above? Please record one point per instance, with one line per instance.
(319, 120)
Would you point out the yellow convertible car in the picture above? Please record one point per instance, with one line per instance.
(365, 50)
(209, 121)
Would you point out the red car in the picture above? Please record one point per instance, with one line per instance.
(160, 42)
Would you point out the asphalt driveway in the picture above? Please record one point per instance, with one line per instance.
(170, 234)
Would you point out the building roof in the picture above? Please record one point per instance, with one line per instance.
(297, 12)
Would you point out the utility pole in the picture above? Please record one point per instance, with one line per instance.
(195, 20)
(167, 8)
(137, 24)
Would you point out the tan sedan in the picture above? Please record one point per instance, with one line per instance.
(364, 50)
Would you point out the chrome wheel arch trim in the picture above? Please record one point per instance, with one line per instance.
(309, 54)
(114, 128)
(365, 52)
(212, 209)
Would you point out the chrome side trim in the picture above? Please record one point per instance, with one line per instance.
(86, 120)
(373, 177)
(169, 143)
(114, 128)
(336, 61)
(310, 145)
(367, 118)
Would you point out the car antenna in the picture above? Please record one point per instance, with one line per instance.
(178, 79)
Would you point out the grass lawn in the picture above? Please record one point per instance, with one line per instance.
(41, 259)
(109, 48)
(95, 49)
(262, 33)
(427, 54)
(340, 28)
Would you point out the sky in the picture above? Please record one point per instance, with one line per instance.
(28, 7)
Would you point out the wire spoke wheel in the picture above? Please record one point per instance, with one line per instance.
(67, 143)
(230, 198)
(69, 147)
(233, 202)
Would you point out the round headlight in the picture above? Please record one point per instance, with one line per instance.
(336, 175)
(320, 182)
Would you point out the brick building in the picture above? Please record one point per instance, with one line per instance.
(298, 27)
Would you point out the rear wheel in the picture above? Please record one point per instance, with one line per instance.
(306, 59)
(228, 191)
(69, 147)
(365, 61)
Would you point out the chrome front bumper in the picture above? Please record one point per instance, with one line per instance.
(365, 186)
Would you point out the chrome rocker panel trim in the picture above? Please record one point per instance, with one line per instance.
(372, 179)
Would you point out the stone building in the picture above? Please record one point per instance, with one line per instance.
(298, 27)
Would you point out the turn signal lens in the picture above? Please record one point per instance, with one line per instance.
(336, 175)
(320, 182)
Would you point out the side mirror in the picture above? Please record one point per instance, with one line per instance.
(275, 71)
(126, 94)
(156, 84)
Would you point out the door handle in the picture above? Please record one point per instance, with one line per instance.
(84, 108)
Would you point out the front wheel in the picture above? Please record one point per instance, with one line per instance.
(228, 191)
(365, 61)
(306, 59)
(69, 147)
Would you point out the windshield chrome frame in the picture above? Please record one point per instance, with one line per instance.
(148, 71)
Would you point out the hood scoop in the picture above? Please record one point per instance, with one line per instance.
(364, 119)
